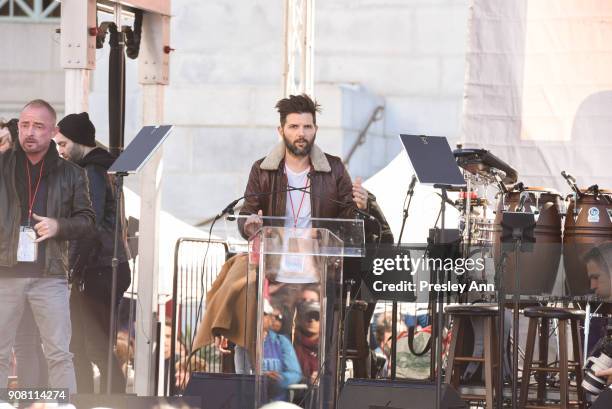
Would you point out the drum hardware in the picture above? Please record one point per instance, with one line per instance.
(497, 176)
(519, 186)
(594, 189)
(477, 180)
(485, 230)
(483, 162)
(571, 181)
(523, 198)
(536, 210)
(461, 204)
(467, 212)
(591, 209)
(539, 269)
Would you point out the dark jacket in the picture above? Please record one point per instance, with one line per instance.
(97, 249)
(67, 201)
(329, 181)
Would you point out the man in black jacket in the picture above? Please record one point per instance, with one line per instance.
(91, 259)
(32, 369)
(44, 202)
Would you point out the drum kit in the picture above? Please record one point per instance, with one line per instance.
(553, 268)
(566, 227)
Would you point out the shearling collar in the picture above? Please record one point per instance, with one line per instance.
(317, 158)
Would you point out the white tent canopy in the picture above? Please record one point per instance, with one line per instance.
(390, 186)
(170, 230)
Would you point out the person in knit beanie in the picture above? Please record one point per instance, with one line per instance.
(77, 136)
(91, 258)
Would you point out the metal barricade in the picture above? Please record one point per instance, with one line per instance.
(197, 263)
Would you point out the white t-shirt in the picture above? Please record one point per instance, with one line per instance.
(295, 268)
(298, 202)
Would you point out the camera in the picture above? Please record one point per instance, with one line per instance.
(600, 360)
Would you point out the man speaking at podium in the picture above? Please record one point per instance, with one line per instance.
(325, 191)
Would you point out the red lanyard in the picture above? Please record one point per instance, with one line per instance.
(296, 217)
(32, 197)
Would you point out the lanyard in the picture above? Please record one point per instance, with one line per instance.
(297, 216)
(32, 197)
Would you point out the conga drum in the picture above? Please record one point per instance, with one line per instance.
(588, 223)
(537, 267)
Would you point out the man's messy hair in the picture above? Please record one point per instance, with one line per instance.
(297, 104)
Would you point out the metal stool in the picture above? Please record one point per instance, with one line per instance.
(541, 366)
(461, 315)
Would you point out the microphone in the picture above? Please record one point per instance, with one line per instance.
(229, 209)
(412, 184)
(365, 215)
(571, 181)
(568, 177)
(524, 197)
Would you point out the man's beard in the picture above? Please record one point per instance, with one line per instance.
(300, 152)
(76, 154)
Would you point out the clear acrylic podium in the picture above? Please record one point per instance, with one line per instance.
(295, 284)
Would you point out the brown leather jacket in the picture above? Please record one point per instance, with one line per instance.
(329, 181)
(68, 202)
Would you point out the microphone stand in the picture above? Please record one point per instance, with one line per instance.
(229, 209)
(440, 301)
(501, 298)
(409, 196)
(112, 336)
(518, 229)
(515, 322)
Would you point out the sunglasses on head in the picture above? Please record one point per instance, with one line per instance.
(278, 317)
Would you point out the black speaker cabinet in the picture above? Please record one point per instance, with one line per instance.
(90, 401)
(222, 391)
(378, 394)
(604, 400)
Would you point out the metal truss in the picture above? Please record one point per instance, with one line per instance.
(37, 10)
(298, 56)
